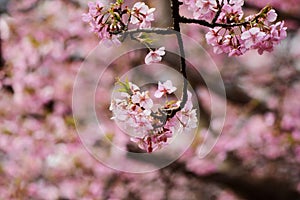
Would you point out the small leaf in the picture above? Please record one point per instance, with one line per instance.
(145, 38)
(120, 1)
(125, 87)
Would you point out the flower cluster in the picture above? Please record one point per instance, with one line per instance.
(241, 33)
(201, 9)
(260, 33)
(207, 9)
(134, 111)
(108, 21)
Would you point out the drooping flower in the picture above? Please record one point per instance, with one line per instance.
(164, 88)
(155, 56)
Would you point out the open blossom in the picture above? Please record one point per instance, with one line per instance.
(142, 99)
(95, 9)
(276, 34)
(142, 15)
(155, 56)
(164, 88)
(252, 37)
(188, 116)
(214, 36)
(205, 9)
(231, 13)
(271, 15)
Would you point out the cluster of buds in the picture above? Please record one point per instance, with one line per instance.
(133, 111)
(109, 21)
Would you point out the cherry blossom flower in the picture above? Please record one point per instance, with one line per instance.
(164, 88)
(142, 15)
(188, 116)
(142, 99)
(271, 16)
(252, 37)
(155, 56)
(205, 9)
(213, 36)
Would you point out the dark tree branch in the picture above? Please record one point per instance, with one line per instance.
(220, 6)
(175, 4)
(213, 24)
(2, 62)
(1, 55)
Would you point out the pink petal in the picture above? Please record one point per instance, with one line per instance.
(158, 94)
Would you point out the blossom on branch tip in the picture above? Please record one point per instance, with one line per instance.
(155, 56)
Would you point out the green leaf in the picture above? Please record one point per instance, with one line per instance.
(120, 1)
(124, 86)
(144, 37)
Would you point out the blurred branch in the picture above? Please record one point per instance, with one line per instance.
(31, 7)
(245, 186)
(72, 2)
(2, 62)
(3, 6)
(38, 2)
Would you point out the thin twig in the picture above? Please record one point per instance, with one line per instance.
(220, 6)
